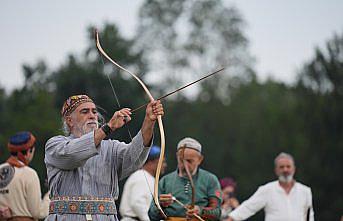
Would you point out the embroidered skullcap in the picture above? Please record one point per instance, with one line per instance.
(21, 141)
(73, 102)
(189, 143)
(154, 153)
(227, 181)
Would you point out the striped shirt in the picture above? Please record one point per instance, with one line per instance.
(76, 167)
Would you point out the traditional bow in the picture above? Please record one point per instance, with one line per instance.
(189, 175)
(159, 119)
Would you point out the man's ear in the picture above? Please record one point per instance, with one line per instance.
(177, 155)
(201, 158)
(69, 120)
(33, 149)
(30, 152)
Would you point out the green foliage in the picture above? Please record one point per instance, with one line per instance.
(27, 110)
(320, 94)
(191, 38)
(325, 72)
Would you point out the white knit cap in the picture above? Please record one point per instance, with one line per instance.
(189, 143)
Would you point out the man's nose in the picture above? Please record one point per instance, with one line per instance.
(92, 115)
(285, 170)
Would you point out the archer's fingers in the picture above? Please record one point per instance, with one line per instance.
(166, 198)
(157, 108)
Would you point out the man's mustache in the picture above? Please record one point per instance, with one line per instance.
(92, 122)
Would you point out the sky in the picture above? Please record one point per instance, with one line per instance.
(282, 34)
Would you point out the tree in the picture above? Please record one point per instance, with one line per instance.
(325, 72)
(4, 121)
(182, 39)
(30, 108)
(320, 87)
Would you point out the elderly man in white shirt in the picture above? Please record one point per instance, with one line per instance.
(137, 194)
(282, 200)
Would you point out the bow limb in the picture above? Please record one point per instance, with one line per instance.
(189, 175)
(159, 120)
(159, 165)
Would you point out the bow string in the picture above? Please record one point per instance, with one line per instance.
(159, 119)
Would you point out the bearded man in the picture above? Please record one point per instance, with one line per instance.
(178, 188)
(282, 200)
(84, 169)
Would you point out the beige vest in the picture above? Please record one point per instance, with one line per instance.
(20, 191)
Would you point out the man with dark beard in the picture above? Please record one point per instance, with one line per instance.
(84, 169)
(285, 199)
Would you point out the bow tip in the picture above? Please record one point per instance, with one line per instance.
(96, 33)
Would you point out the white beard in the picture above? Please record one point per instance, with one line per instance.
(286, 179)
(86, 128)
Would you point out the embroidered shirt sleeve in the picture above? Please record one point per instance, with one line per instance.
(212, 211)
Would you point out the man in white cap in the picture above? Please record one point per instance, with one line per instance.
(189, 193)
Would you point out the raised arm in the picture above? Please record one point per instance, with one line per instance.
(250, 206)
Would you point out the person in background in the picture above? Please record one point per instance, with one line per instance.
(20, 191)
(230, 202)
(138, 189)
(176, 189)
(284, 199)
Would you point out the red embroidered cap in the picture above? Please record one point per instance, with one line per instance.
(73, 102)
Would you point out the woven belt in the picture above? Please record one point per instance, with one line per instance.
(82, 205)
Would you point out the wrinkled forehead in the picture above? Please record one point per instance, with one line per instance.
(87, 105)
(284, 161)
(84, 106)
(189, 152)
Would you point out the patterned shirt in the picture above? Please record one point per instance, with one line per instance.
(207, 188)
(76, 167)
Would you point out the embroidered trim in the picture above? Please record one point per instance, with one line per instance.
(82, 205)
